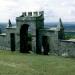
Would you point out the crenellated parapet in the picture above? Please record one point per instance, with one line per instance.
(33, 14)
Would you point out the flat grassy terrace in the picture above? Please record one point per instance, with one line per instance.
(32, 64)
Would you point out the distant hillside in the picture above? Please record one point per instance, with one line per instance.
(67, 26)
(3, 26)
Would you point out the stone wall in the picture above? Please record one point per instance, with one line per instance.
(52, 39)
(3, 42)
(67, 48)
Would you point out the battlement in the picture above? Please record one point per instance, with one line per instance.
(33, 14)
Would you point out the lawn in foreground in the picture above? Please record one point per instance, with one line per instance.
(31, 64)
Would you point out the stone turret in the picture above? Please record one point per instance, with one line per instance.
(60, 29)
(10, 25)
(60, 25)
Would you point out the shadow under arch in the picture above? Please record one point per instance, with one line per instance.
(24, 38)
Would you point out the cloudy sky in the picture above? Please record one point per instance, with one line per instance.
(54, 9)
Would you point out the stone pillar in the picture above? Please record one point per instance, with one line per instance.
(34, 44)
(38, 42)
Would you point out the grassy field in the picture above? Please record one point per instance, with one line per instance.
(31, 64)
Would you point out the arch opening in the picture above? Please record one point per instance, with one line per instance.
(24, 38)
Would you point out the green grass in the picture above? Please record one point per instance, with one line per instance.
(32, 64)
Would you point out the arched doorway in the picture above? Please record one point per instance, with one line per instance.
(45, 44)
(24, 38)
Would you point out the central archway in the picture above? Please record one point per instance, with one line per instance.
(24, 38)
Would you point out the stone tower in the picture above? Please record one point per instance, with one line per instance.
(60, 30)
(10, 25)
(33, 22)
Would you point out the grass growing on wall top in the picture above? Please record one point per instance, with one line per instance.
(69, 36)
(32, 64)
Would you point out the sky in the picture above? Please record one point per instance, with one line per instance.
(53, 9)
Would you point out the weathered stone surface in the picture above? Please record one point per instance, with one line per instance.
(54, 43)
